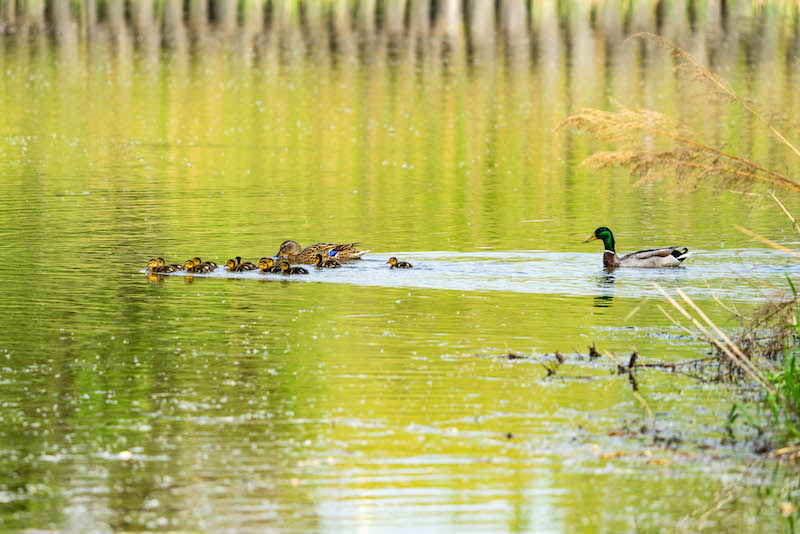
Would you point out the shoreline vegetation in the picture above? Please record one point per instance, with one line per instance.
(652, 145)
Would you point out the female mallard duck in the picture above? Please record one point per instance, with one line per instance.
(652, 258)
(267, 265)
(288, 269)
(192, 267)
(325, 263)
(394, 264)
(198, 261)
(294, 253)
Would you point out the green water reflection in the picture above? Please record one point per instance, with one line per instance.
(213, 404)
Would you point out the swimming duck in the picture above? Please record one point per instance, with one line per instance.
(329, 263)
(267, 265)
(236, 266)
(198, 261)
(295, 253)
(246, 266)
(162, 267)
(652, 258)
(192, 267)
(393, 263)
(152, 266)
(288, 269)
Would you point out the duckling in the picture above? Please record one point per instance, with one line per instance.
(236, 266)
(329, 263)
(164, 268)
(288, 269)
(246, 266)
(267, 265)
(192, 267)
(152, 265)
(198, 261)
(393, 263)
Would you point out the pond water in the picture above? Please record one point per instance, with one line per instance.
(363, 398)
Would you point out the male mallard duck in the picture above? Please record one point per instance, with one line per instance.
(393, 263)
(288, 269)
(198, 261)
(652, 258)
(162, 267)
(267, 265)
(325, 264)
(192, 267)
(296, 254)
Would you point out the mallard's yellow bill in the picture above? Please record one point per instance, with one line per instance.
(590, 238)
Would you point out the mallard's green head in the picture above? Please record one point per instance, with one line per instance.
(392, 261)
(605, 235)
(284, 266)
(197, 261)
(152, 264)
(189, 265)
(230, 264)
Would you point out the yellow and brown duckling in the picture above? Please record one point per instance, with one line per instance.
(394, 264)
(288, 269)
(294, 253)
(267, 265)
(237, 266)
(323, 263)
(245, 266)
(167, 266)
(197, 261)
(160, 266)
(192, 267)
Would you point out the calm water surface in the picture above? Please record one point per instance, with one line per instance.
(362, 398)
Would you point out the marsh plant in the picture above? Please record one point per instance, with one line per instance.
(652, 146)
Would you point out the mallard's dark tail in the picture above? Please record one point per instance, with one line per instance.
(681, 254)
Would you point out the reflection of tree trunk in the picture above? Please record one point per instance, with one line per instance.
(420, 18)
(366, 17)
(34, 13)
(449, 18)
(341, 23)
(142, 14)
(62, 18)
(481, 24)
(226, 15)
(174, 32)
(115, 12)
(91, 17)
(198, 18)
(395, 15)
(514, 18)
(8, 11)
(252, 18)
